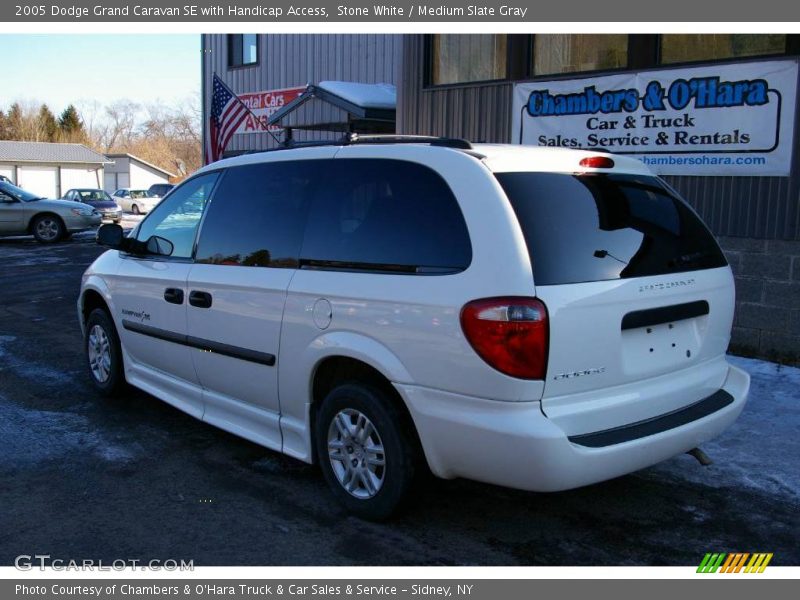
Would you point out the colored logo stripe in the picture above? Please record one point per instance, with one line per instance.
(758, 563)
(734, 562)
(711, 563)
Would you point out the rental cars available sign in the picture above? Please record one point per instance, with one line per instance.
(262, 105)
(731, 119)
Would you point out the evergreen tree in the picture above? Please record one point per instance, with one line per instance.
(70, 125)
(14, 122)
(48, 124)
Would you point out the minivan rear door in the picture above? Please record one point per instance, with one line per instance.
(636, 289)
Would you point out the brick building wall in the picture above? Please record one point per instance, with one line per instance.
(767, 319)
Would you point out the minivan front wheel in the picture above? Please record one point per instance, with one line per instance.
(135, 209)
(103, 353)
(365, 452)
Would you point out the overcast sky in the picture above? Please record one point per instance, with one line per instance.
(64, 69)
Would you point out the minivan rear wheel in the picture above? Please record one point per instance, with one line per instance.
(366, 455)
(135, 209)
(103, 353)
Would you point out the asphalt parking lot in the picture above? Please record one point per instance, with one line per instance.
(85, 478)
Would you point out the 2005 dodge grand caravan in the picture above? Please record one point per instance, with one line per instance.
(535, 318)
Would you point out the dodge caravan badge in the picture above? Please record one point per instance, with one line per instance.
(667, 285)
(576, 374)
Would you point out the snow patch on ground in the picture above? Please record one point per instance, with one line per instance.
(761, 449)
(31, 256)
(31, 436)
(30, 370)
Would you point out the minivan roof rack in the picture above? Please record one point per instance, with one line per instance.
(447, 142)
(353, 139)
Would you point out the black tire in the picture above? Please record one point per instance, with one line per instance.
(114, 384)
(48, 229)
(135, 209)
(399, 448)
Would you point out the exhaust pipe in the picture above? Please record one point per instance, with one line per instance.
(701, 456)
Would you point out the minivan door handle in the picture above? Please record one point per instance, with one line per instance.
(173, 295)
(200, 299)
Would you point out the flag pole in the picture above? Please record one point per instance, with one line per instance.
(247, 108)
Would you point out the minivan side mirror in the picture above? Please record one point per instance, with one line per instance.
(111, 235)
(159, 246)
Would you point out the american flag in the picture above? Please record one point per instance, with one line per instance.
(227, 113)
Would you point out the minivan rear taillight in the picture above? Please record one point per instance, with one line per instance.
(597, 162)
(510, 333)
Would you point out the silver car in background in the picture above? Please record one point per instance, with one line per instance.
(135, 201)
(24, 213)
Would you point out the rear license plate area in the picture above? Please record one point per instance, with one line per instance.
(662, 347)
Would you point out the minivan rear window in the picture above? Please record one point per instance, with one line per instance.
(597, 227)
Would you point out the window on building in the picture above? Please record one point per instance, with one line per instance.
(573, 53)
(463, 58)
(258, 215)
(242, 49)
(678, 48)
(386, 215)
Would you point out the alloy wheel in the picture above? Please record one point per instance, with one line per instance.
(356, 453)
(99, 353)
(47, 229)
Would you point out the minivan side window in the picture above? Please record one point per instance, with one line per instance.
(387, 216)
(177, 217)
(258, 214)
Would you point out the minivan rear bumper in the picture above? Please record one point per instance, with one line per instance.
(514, 444)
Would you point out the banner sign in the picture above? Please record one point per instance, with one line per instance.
(730, 119)
(263, 105)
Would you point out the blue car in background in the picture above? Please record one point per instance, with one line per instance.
(97, 199)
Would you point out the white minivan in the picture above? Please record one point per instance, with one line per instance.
(535, 318)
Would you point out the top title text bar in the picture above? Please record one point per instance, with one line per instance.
(308, 11)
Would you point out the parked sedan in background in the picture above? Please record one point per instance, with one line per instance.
(160, 189)
(138, 202)
(24, 213)
(97, 199)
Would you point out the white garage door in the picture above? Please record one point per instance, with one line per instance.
(110, 182)
(79, 178)
(39, 180)
(8, 171)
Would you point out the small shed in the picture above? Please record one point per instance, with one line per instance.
(352, 108)
(50, 169)
(129, 171)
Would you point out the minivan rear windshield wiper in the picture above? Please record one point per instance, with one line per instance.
(604, 253)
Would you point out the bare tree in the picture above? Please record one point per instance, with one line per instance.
(23, 122)
(91, 112)
(122, 117)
